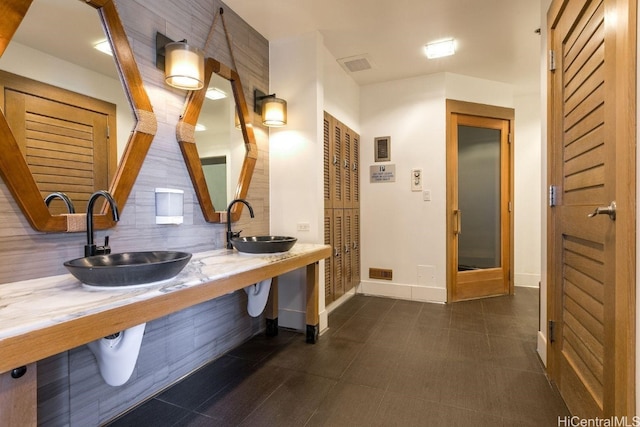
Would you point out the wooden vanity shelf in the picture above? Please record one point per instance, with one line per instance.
(35, 322)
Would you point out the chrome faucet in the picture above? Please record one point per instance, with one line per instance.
(231, 234)
(60, 195)
(90, 248)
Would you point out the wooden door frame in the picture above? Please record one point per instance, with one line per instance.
(480, 110)
(619, 391)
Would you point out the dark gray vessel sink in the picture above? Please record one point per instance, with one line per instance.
(128, 268)
(263, 244)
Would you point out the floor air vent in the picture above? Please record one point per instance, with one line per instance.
(380, 273)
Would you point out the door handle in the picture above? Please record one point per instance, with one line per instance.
(458, 221)
(605, 210)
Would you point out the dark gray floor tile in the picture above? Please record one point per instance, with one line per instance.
(524, 328)
(470, 322)
(348, 405)
(358, 328)
(241, 397)
(376, 307)
(207, 381)
(464, 345)
(262, 346)
(152, 413)
(426, 342)
(292, 403)
(194, 420)
(528, 396)
(467, 307)
(435, 316)
(514, 354)
(351, 306)
(393, 334)
(328, 358)
(373, 367)
(403, 411)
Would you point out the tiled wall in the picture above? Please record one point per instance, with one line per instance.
(71, 391)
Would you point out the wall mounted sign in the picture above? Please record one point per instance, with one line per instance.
(382, 173)
(382, 149)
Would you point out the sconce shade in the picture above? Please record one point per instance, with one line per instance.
(274, 111)
(184, 66)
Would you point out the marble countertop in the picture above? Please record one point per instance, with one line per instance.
(30, 306)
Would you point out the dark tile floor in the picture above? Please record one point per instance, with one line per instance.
(383, 362)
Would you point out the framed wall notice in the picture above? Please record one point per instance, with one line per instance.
(382, 149)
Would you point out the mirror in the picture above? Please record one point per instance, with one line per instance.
(130, 135)
(217, 154)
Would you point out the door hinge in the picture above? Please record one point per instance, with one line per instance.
(108, 131)
(510, 138)
(510, 206)
(552, 60)
(552, 331)
(553, 190)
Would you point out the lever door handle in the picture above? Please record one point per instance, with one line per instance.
(605, 210)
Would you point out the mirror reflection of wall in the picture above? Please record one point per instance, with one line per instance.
(220, 145)
(64, 56)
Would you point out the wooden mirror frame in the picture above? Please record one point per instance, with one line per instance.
(13, 167)
(185, 132)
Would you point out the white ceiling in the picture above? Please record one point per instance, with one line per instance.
(496, 39)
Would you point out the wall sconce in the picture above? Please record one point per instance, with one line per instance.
(183, 64)
(272, 109)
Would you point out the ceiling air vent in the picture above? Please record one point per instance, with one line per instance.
(356, 63)
(380, 273)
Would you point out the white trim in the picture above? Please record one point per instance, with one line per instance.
(403, 291)
(542, 347)
(527, 280)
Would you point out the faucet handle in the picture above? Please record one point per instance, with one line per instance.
(235, 234)
(105, 249)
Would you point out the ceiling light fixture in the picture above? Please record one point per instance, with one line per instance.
(104, 47)
(183, 64)
(214, 93)
(272, 109)
(440, 48)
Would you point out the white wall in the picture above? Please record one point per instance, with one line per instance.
(305, 74)
(295, 153)
(400, 230)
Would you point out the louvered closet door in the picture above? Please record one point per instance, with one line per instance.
(328, 262)
(355, 170)
(337, 161)
(355, 247)
(328, 151)
(338, 253)
(592, 163)
(347, 249)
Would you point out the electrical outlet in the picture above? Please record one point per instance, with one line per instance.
(426, 195)
(304, 226)
(416, 179)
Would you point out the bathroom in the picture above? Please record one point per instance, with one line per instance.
(70, 389)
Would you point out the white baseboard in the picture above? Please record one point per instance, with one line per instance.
(542, 347)
(527, 280)
(402, 291)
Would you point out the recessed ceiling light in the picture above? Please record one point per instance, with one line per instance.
(440, 48)
(104, 47)
(215, 93)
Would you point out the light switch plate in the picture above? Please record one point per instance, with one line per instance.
(416, 179)
(304, 226)
(426, 195)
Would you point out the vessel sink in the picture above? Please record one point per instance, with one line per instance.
(263, 244)
(128, 268)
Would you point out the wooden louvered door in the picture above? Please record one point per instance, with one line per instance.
(591, 261)
(341, 204)
(63, 136)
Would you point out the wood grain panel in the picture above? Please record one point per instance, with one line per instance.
(586, 142)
